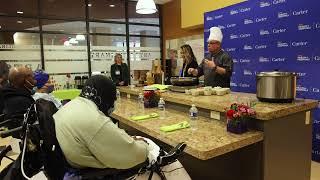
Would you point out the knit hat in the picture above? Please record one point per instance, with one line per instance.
(41, 77)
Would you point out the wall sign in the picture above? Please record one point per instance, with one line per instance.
(264, 35)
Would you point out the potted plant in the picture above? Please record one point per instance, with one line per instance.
(238, 116)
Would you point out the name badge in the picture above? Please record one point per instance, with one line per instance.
(117, 72)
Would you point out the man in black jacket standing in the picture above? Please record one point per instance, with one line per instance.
(18, 94)
(217, 67)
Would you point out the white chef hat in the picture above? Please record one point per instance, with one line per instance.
(215, 34)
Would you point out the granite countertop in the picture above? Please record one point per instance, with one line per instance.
(264, 111)
(213, 132)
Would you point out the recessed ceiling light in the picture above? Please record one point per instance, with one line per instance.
(19, 22)
(89, 5)
(19, 12)
(112, 5)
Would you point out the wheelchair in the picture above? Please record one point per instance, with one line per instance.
(40, 151)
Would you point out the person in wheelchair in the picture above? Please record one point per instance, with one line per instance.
(44, 88)
(17, 96)
(88, 137)
(4, 71)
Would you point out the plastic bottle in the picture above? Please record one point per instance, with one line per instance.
(141, 101)
(118, 95)
(193, 113)
(162, 108)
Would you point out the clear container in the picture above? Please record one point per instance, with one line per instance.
(141, 101)
(118, 95)
(162, 108)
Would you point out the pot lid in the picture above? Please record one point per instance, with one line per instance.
(276, 73)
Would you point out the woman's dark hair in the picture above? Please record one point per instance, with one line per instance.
(101, 90)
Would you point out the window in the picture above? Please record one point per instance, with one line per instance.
(64, 26)
(103, 50)
(20, 49)
(108, 28)
(144, 30)
(53, 34)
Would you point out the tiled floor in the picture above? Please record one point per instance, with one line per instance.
(315, 171)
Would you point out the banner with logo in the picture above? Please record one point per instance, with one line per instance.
(267, 35)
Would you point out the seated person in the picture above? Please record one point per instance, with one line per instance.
(44, 88)
(18, 94)
(88, 137)
(119, 71)
(4, 71)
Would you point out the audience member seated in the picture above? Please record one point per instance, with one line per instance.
(18, 94)
(4, 71)
(89, 138)
(44, 88)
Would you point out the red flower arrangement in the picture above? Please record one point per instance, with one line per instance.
(151, 98)
(237, 117)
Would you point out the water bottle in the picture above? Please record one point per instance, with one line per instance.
(141, 101)
(162, 108)
(193, 112)
(118, 95)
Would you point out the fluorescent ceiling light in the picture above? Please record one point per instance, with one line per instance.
(146, 7)
(80, 37)
(19, 12)
(112, 5)
(19, 22)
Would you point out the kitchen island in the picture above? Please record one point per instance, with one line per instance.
(279, 145)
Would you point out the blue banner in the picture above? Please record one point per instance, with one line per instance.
(264, 35)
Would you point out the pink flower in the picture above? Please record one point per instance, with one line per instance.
(237, 114)
(242, 110)
(251, 112)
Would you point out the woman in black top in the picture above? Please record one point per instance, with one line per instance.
(189, 60)
(119, 71)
